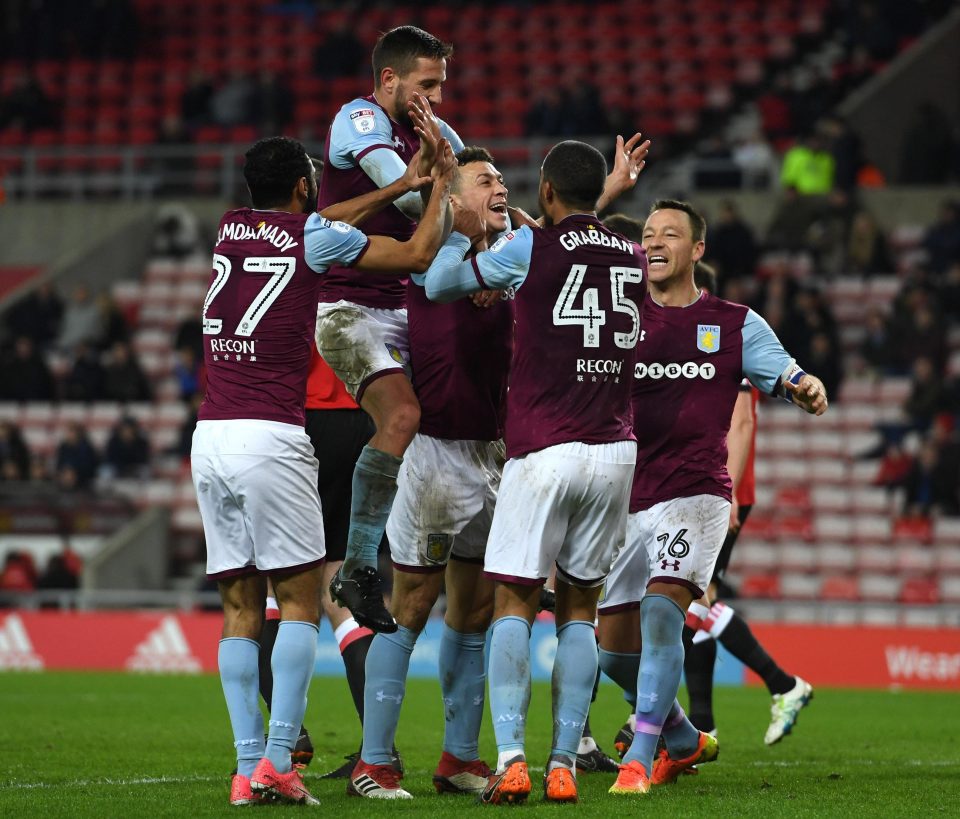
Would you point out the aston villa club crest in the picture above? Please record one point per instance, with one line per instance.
(708, 337)
(438, 548)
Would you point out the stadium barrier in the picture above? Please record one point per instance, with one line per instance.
(860, 656)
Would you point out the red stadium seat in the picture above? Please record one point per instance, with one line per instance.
(840, 588)
(764, 586)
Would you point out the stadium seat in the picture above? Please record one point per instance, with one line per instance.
(800, 586)
(915, 559)
(835, 557)
(840, 588)
(879, 587)
(950, 589)
(913, 530)
(764, 586)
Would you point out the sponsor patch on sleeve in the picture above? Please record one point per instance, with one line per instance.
(498, 245)
(343, 227)
(363, 120)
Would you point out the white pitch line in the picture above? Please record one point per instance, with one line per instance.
(84, 783)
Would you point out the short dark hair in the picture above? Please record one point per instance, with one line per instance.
(626, 226)
(400, 47)
(698, 225)
(474, 153)
(577, 172)
(705, 277)
(273, 168)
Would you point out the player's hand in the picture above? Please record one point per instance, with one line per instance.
(519, 218)
(486, 298)
(411, 179)
(810, 394)
(445, 163)
(468, 222)
(629, 159)
(427, 127)
(734, 525)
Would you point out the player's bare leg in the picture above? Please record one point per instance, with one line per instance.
(391, 403)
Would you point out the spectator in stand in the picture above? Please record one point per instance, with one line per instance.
(24, 374)
(733, 248)
(921, 332)
(128, 453)
(37, 315)
(189, 335)
(233, 102)
(189, 372)
(942, 241)
(808, 167)
(123, 377)
(929, 148)
(76, 460)
(927, 395)
(547, 115)
(82, 320)
(791, 222)
(27, 106)
(84, 379)
(273, 103)
(846, 149)
(878, 346)
(115, 327)
(826, 359)
(14, 455)
(868, 253)
(19, 573)
(829, 235)
(895, 465)
(757, 161)
(340, 55)
(59, 574)
(195, 111)
(932, 484)
(773, 106)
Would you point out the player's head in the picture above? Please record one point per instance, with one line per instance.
(479, 186)
(572, 177)
(406, 60)
(673, 237)
(317, 164)
(626, 226)
(705, 276)
(279, 174)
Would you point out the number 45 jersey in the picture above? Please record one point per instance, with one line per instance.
(690, 364)
(260, 311)
(576, 333)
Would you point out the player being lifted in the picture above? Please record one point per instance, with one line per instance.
(253, 466)
(361, 323)
(570, 448)
(694, 351)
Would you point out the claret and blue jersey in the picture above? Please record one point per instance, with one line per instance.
(690, 364)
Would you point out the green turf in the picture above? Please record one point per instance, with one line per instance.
(124, 745)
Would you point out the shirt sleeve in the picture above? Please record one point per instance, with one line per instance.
(505, 265)
(359, 128)
(326, 243)
(451, 136)
(765, 362)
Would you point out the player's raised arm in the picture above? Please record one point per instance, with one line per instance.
(629, 159)
(355, 211)
(415, 255)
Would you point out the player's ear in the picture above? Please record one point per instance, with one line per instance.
(698, 250)
(388, 79)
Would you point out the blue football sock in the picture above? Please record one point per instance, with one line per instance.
(387, 662)
(509, 676)
(623, 669)
(661, 663)
(574, 673)
(292, 661)
(679, 734)
(462, 684)
(237, 659)
(374, 488)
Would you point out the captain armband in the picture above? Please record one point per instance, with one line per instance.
(793, 374)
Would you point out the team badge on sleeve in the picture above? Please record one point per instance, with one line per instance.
(498, 245)
(363, 120)
(708, 337)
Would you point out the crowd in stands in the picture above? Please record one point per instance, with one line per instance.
(19, 572)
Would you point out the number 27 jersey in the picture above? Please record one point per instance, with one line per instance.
(576, 332)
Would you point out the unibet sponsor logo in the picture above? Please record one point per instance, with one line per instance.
(674, 370)
(599, 365)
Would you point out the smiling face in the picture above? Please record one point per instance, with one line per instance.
(481, 189)
(671, 249)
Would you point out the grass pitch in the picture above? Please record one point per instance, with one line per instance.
(84, 744)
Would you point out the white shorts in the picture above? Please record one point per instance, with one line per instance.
(360, 343)
(256, 485)
(676, 541)
(564, 505)
(446, 493)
